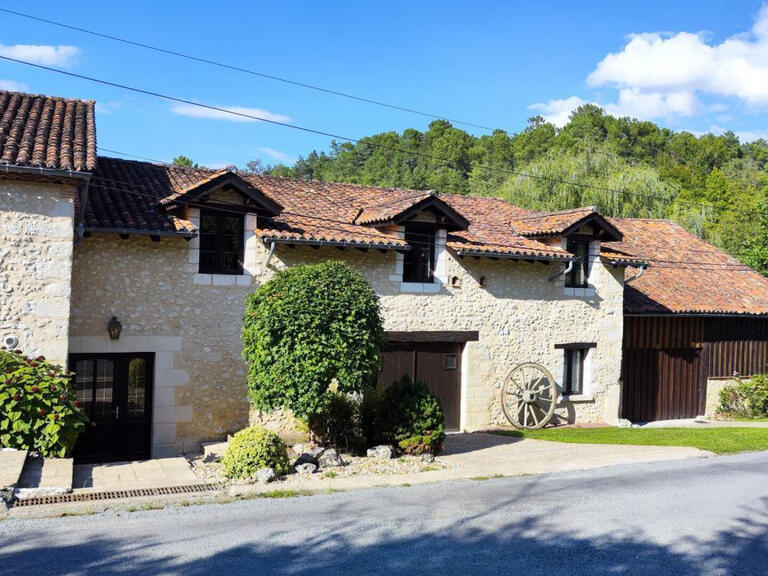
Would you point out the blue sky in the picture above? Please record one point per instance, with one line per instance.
(698, 66)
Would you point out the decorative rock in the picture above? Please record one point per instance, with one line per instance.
(382, 452)
(306, 458)
(316, 451)
(298, 449)
(623, 423)
(428, 458)
(264, 475)
(330, 459)
(306, 468)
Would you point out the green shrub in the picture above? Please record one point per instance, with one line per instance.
(405, 415)
(306, 326)
(254, 448)
(746, 398)
(336, 422)
(39, 410)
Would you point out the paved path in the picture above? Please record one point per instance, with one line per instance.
(693, 517)
(157, 473)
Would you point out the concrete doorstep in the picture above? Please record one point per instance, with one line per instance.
(44, 477)
(11, 465)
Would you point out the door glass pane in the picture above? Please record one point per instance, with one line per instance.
(104, 382)
(137, 383)
(84, 384)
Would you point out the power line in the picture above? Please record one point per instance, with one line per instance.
(328, 134)
(246, 70)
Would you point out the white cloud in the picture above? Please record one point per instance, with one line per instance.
(684, 64)
(13, 85)
(41, 54)
(556, 111)
(277, 155)
(646, 105)
(200, 112)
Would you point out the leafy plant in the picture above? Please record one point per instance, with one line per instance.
(747, 398)
(39, 410)
(252, 449)
(335, 422)
(406, 415)
(309, 325)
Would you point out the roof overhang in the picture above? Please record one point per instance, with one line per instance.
(447, 217)
(607, 232)
(223, 179)
(477, 253)
(334, 243)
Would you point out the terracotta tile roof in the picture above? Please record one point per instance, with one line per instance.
(130, 195)
(490, 230)
(385, 211)
(686, 275)
(47, 132)
(549, 223)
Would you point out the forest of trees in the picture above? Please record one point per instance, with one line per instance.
(715, 186)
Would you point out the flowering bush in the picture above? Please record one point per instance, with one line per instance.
(38, 406)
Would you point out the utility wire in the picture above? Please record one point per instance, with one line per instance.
(298, 83)
(327, 134)
(245, 70)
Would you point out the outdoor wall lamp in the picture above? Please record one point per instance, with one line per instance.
(114, 328)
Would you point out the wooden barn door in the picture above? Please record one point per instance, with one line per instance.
(662, 384)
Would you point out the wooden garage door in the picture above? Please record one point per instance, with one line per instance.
(437, 364)
(662, 384)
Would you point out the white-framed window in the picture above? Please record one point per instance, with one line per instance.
(422, 268)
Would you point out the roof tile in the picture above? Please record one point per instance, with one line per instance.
(47, 132)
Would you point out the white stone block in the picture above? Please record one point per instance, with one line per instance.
(163, 433)
(166, 450)
(202, 279)
(164, 397)
(223, 280)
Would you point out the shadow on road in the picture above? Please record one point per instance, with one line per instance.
(529, 547)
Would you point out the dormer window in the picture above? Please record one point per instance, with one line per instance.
(221, 242)
(419, 261)
(577, 277)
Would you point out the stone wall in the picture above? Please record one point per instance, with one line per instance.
(713, 395)
(155, 290)
(36, 236)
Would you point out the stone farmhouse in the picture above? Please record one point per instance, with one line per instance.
(135, 274)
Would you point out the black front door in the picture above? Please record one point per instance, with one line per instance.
(116, 392)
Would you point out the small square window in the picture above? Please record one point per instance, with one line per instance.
(450, 361)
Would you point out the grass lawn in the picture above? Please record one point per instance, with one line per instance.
(718, 440)
(738, 419)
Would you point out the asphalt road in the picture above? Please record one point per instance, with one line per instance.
(699, 516)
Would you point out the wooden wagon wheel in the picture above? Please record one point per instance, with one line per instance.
(529, 396)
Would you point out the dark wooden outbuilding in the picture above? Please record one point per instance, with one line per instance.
(668, 360)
